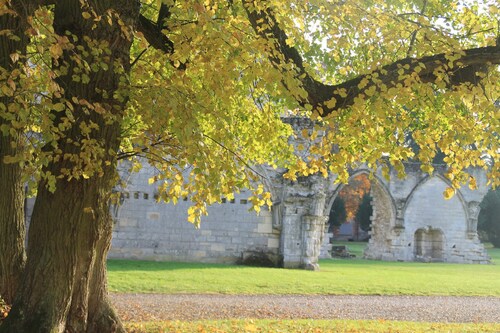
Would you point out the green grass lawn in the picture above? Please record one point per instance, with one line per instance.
(308, 326)
(337, 276)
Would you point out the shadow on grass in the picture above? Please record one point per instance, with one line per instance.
(117, 265)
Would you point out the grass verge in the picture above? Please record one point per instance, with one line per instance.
(337, 277)
(309, 326)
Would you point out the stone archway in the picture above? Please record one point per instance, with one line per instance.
(384, 226)
(349, 197)
(341, 207)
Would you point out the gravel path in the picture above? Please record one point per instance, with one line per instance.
(139, 307)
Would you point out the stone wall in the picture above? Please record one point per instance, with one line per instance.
(427, 210)
(148, 230)
(384, 241)
(421, 211)
(411, 220)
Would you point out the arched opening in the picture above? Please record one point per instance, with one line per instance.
(350, 212)
(369, 217)
(419, 243)
(380, 217)
(429, 244)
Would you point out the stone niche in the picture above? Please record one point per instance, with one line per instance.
(429, 244)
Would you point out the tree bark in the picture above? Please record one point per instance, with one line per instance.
(12, 224)
(63, 287)
(91, 310)
(12, 228)
(102, 317)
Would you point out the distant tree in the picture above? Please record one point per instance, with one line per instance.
(353, 192)
(364, 212)
(489, 216)
(338, 214)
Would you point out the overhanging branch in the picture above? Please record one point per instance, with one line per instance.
(153, 32)
(154, 36)
(454, 69)
(466, 69)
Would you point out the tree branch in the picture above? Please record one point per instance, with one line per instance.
(154, 36)
(152, 31)
(462, 70)
(414, 34)
(163, 14)
(147, 150)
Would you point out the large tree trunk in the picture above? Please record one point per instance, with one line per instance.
(90, 309)
(12, 224)
(12, 229)
(102, 316)
(63, 287)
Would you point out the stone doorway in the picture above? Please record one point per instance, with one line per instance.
(429, 245)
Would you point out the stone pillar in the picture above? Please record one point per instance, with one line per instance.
(400, 204)
(277, 215)
(291, 240)
(383, 222)
(473, 214)
(313, 229)
(326, 246)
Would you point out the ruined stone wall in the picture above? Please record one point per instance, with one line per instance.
(427, 227)
(147, 230)
(411, 221)
(427, 211)
(383, 242)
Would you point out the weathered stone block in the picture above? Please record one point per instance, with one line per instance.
(273, 243)
(264, 228)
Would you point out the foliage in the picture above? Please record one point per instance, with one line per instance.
(410, 142)
(391, 30)
(335, 277)
(308, 326)
(489, 216)
(209, 82)
(202, 131)
(338, 213)
(353, 192)
(4, 309)
(365, 211)
(346, 205)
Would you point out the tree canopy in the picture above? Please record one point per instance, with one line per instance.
(390, 68)
(210, 80)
